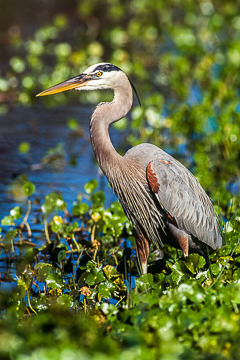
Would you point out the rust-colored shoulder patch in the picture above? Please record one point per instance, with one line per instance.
(165, 162)
(152, 178)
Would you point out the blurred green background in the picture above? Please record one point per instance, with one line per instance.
(184, 59)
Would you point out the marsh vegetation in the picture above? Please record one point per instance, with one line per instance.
(70, 282)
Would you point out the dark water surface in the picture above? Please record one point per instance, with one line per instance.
(44, 129)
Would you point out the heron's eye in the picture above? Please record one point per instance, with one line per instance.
(99, 73)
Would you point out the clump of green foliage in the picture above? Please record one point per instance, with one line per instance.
(79, 293)
(185, 60)
(76, 289)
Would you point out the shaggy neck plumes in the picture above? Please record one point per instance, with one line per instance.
(104, 115)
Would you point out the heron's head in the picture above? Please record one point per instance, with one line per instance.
(96, 77)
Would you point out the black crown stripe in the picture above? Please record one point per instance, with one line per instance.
(107, 68)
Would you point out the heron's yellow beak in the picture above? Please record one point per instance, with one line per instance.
(73, 83)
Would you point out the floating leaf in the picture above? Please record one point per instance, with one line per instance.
(53, 202)
(49, 274)
(110, 271)
(106, 289)
(72, 124)
(194, 262)
(7, 220)
(80, 209)
(65, 300)
(96, 217)
(24, 147)
(28, 189)
(62, 255)
(145, 282)
(16, 212)
(10, 235)
(98, 199)
(91, 186)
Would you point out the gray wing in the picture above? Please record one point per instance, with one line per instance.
(182, 197)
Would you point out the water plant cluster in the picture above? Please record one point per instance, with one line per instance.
(75, 289)
(78, 289)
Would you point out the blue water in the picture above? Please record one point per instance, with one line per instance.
(44, 129)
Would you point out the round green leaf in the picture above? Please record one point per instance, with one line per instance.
(28, 189)
(91, 186)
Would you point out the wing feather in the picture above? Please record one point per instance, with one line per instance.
(180, 194)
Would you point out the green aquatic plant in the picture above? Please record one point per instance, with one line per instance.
(74, 291)
(84, 267)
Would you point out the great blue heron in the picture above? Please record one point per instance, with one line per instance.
(163, 200)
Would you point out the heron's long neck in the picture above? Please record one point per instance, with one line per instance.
(104, 115)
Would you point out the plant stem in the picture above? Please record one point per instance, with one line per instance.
(29, 302)
(46, 231)
(93, 233)
(115, 258)
(76, 244)
(26, 218)
(85, 305)
(95, 253)
(120, 301)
